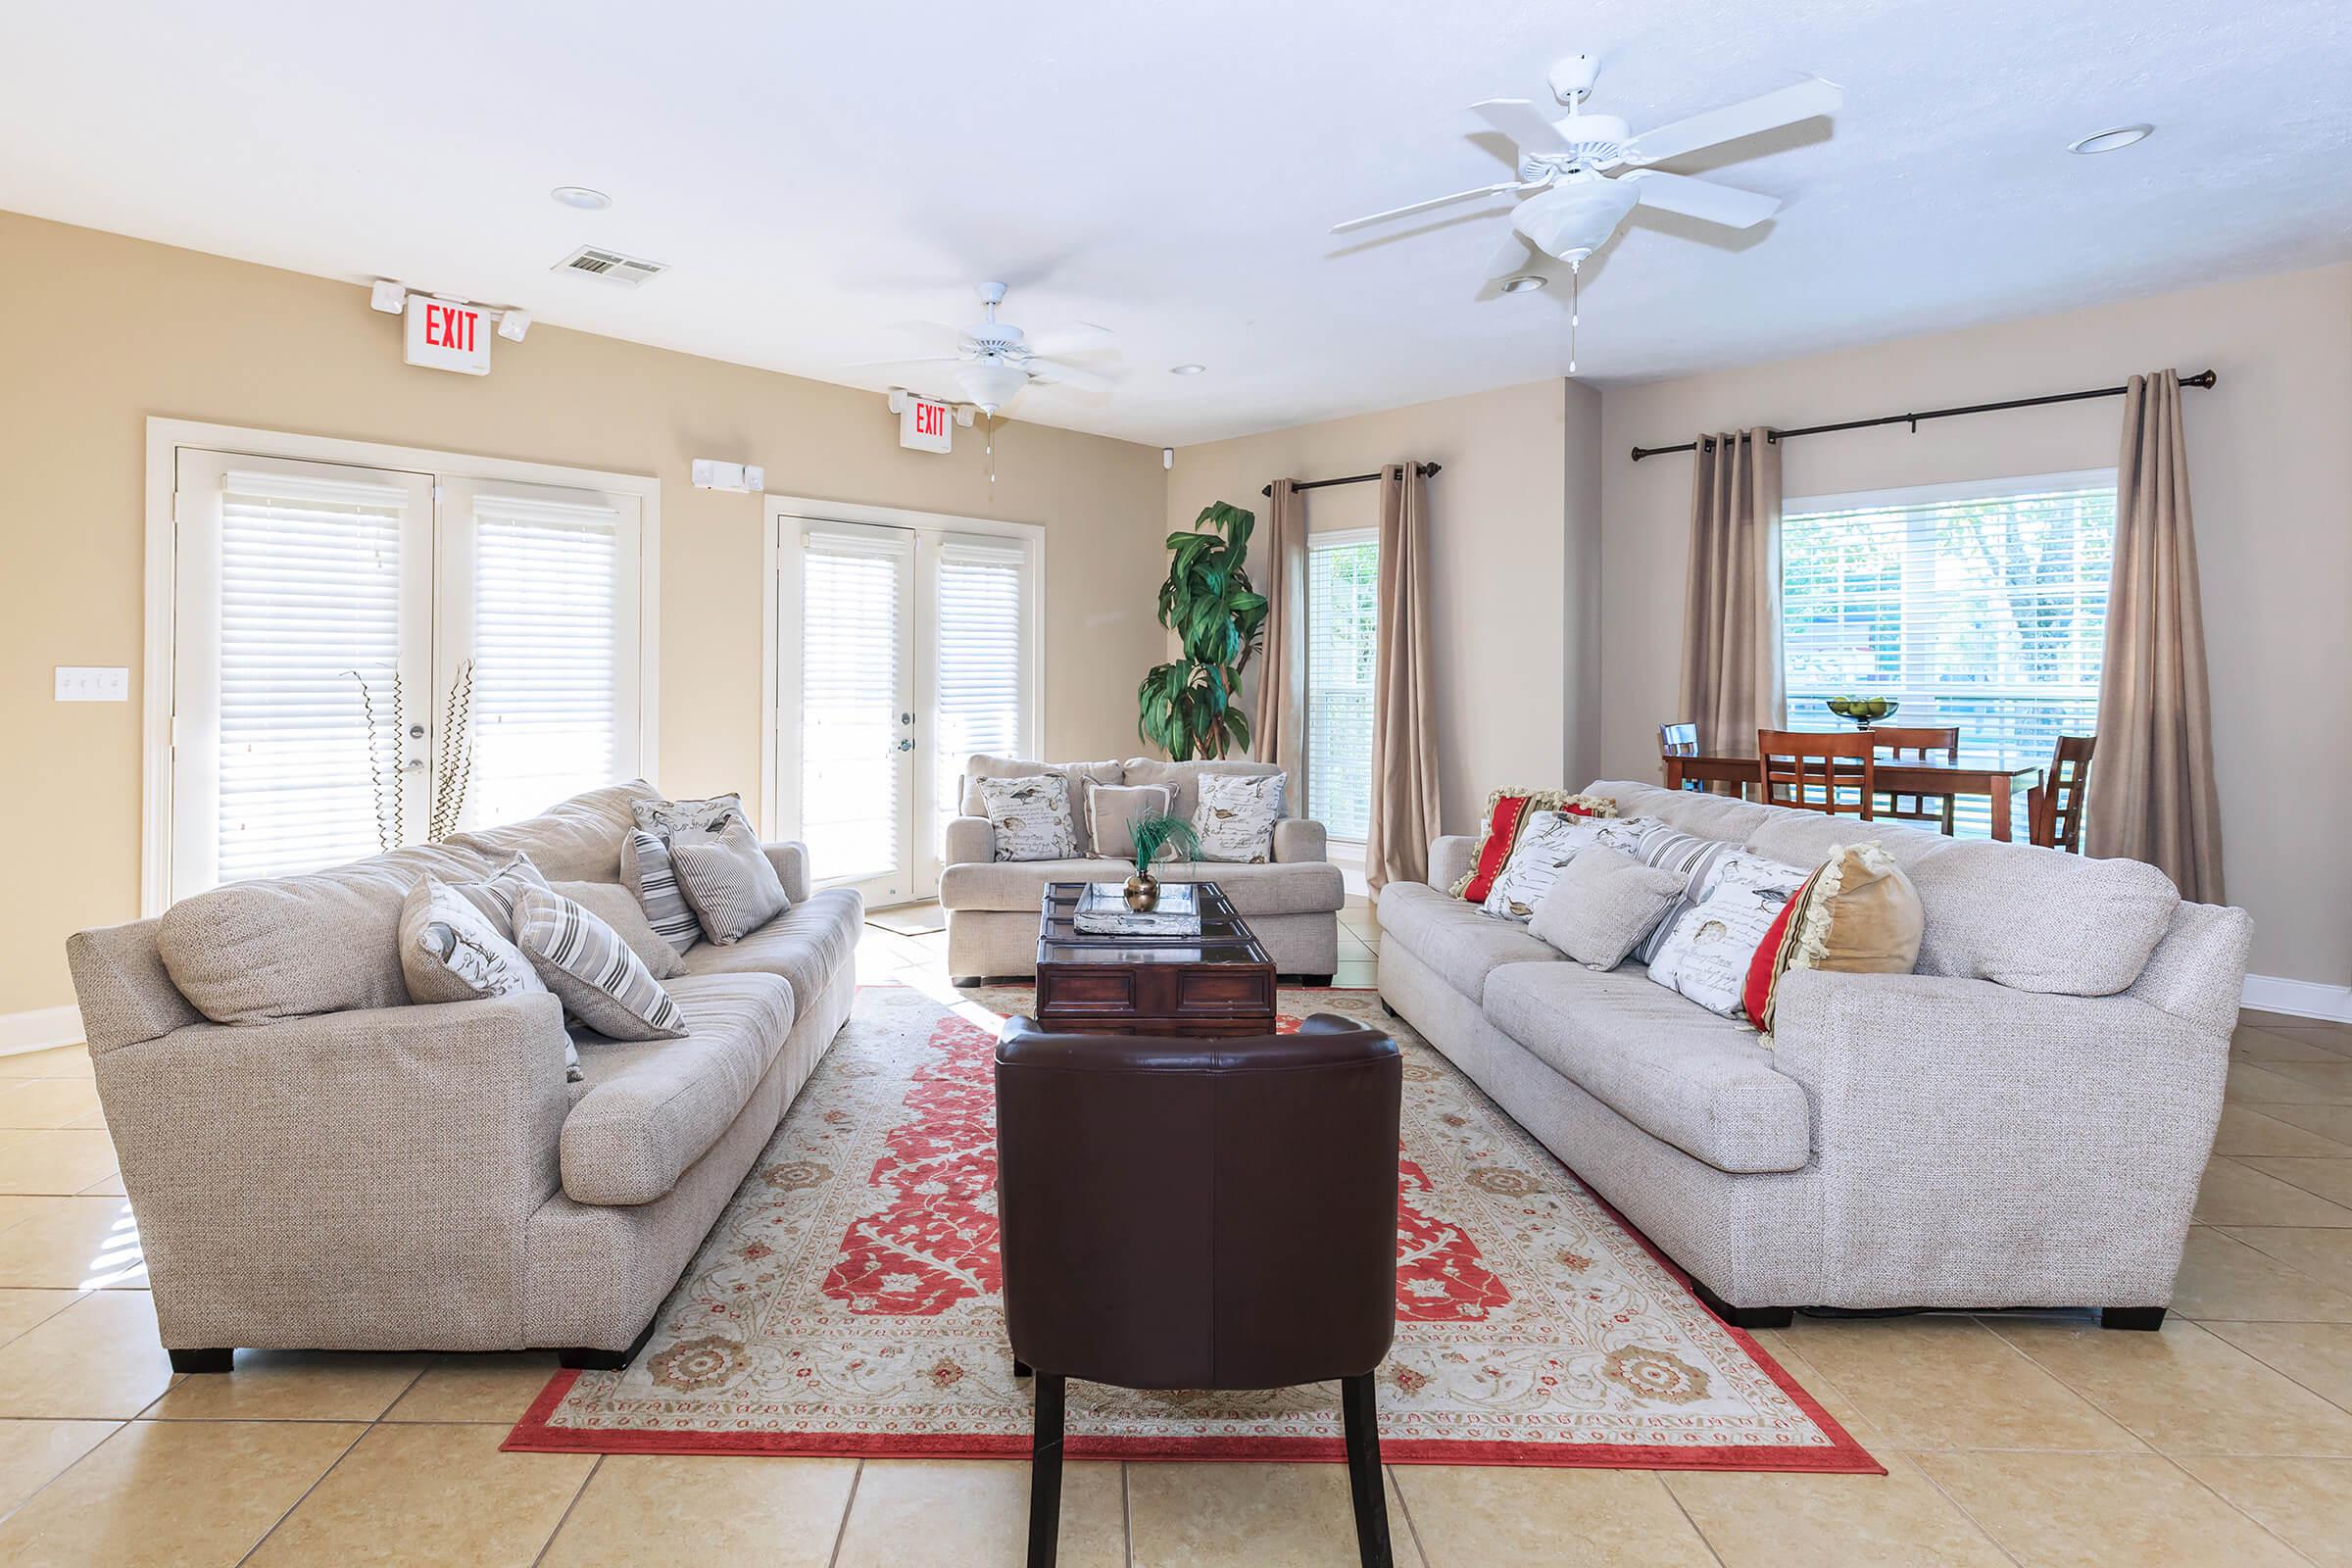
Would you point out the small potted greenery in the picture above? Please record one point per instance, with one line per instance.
(1157, 835)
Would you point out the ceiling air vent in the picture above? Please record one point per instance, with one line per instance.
(611, 266)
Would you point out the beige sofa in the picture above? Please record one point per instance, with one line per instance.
(1292, 902)
(2022, 1122)
(421, 1177)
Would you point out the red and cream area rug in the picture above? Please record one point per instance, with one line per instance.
(849, 1301)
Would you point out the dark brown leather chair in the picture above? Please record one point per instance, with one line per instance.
(1200, 1214)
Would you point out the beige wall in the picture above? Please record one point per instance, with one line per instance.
(102, 331)
(1512, 511)
(2271, 481)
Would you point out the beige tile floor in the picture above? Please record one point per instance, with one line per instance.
(2019, 1439)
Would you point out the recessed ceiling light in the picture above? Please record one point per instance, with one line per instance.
(1186, 369)
(581, 197)
(2107, 141)
(1523, 282)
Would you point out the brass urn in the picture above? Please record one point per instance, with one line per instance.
(1143, 892)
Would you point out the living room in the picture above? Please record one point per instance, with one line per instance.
(408, 619)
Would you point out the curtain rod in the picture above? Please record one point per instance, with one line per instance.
(2204, 379)
(1428, 471)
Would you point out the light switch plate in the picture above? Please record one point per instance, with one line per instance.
(93, 683)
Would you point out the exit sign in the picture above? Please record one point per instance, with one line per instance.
(448, 337)
(926, 426)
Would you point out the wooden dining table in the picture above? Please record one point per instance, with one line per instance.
(1996, 781)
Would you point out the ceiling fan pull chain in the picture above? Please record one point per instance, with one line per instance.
(1576, 309)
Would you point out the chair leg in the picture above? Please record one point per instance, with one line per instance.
(1360, 1412)
(1044, 1473)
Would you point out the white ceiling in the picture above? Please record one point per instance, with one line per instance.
(816, 173)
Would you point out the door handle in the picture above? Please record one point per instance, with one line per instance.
(905, 746)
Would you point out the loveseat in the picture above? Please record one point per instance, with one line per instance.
(1292, 901)
(2021, 1122)
(410, 1176)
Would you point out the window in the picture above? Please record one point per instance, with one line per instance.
(1342, 587)
(982, 675)
(1979, 605)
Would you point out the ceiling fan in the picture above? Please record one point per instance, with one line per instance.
(995, 361)
(1570, 161)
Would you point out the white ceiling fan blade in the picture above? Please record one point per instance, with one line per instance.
(1529, 129)
(1435, 201)
(1078, 337)
(1701, 198)
(1511, 258)
(1808, 98)
(919, 359)
(1047, 374)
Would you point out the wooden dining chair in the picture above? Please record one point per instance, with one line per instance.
(2054, 807)
(1924, 742)
(1802, 762)
(1680, 740)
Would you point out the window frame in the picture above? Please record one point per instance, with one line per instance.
(1327, 539)
(1928, 495)
(166, 437)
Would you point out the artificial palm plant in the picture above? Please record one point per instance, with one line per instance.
(1186, 704)
(1154, 832)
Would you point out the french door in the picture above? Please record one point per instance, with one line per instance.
(902, 650)
(369, 657)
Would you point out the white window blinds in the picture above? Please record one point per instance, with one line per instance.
(1343, 584)
(1982, 607)
(983, 598)
(853, 640)
(551, 625)
(310, 608)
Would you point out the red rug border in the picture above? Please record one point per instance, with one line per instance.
(1845, 1455)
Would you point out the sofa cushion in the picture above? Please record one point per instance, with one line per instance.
(1182, 779)
(604, 985)
(618, 908)
(575, 841)
(1455, 939)
(290, 947)
(1080, 774)
(651, 1109)
(1601, 904)
(1111, 812)
(805, 945)
(1672, 1068)
(1710, 817)
(2039, 919)
(1280, 887)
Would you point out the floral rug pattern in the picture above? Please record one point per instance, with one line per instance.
(849, 1299)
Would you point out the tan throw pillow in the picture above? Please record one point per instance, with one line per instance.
(1111, 808)
(1236, 816)
(618, 907)
(1601, 904)
(728, 878)
(1030, 818)
(1858, 915)
(583, 960)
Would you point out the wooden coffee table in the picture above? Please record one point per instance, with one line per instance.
(1218, 983)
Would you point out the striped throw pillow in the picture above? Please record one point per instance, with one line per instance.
(646, 868)
(1689, 856)
(496, 895)
(583, 960)
(728, 879)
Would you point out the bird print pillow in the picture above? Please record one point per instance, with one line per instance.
(1706, 956)
(1236, 816)
(1030, 818)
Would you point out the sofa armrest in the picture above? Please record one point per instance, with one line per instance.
(1449, 859)
(970, 841)
(791, 860)
(1976, 1143)
(354, 1180)
(1298, 841)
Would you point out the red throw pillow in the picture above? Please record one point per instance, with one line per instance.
(1507, 811)
(1764, 969)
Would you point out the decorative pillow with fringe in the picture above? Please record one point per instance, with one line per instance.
(1858, 915)
(1507, 811)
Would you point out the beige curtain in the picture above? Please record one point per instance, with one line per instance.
(1278, 570)
(1733, 684)
(1404, 718)
(2151, 795)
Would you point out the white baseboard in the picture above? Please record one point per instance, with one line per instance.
(2305, 999)
(39, 1029)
